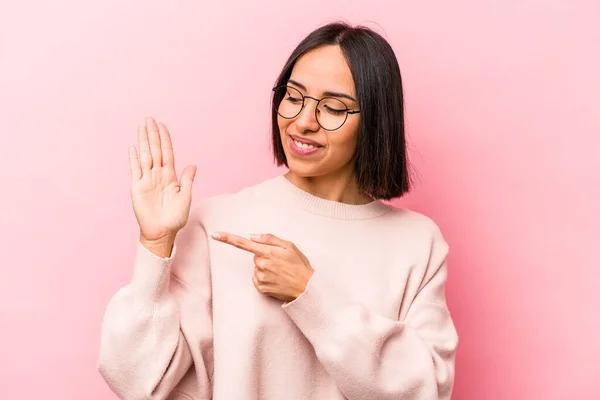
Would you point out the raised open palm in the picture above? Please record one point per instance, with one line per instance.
(161, 203)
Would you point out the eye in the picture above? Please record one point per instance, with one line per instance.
(333, 111)
(293, 99)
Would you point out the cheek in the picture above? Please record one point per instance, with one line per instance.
(344, 140)
(283, 124)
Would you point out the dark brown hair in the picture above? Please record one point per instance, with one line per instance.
(381, 161)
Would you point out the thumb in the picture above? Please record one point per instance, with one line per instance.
(187, 178)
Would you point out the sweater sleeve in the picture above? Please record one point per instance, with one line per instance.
(370, 356)
(144, 349)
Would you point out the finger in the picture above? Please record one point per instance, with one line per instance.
(240, 242)
(271, 240)
(260, 262)
(154, 139)
(134, 164)
(261, 277)
(255, 281)
(187, 178)
(260, 287)
(166, 146)
(144, 145)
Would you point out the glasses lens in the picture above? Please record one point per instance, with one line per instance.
(331, 113)
(291, 101)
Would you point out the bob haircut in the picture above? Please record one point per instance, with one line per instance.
(381, 166)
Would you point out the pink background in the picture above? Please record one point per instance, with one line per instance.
(502, 110)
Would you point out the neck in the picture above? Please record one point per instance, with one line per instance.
(342, 188)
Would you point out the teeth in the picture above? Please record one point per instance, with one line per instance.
(304, 146)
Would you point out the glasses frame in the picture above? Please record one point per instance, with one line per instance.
(348, 110)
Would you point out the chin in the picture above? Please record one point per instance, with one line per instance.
(305, 170)
(300, 168)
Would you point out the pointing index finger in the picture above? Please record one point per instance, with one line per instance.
(239, 242)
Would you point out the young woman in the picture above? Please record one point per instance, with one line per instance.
(303, 286)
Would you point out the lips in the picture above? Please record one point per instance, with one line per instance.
(306, 141)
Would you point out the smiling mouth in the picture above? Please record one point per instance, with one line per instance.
(302, 149)
(303, 145)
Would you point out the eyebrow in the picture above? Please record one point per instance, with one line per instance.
(333, 94)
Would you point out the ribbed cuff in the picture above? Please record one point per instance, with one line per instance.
(316, 309)
(150, 274)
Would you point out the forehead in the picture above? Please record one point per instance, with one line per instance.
(324, 69)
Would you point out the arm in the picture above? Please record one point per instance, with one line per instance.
(144, 350)
(373, 357)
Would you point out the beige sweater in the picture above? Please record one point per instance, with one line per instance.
(372, 324)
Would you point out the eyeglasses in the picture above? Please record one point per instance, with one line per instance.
(330, 113)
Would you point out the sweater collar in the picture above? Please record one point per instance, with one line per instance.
(287, 191)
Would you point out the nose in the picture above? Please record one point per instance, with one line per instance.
(306, 121)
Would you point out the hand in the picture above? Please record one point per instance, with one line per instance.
(280, 269)
(161, 203)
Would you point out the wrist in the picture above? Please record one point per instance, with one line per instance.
(303, 287)
(160, 247)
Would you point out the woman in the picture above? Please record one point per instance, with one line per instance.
(303, 286)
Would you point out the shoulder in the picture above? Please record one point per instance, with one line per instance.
(416, 221)
(421, 237)
(419, 226)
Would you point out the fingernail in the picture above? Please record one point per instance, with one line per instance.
(215, 236)
(254, 236)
